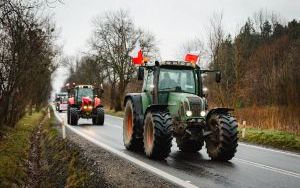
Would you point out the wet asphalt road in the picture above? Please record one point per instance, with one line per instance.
(252, 166)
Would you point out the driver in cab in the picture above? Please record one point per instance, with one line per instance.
(167, 82)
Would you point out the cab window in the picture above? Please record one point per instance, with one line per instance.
(149, 81)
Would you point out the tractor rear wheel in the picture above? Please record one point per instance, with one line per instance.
(73, 116)
(99, 119)
(132, 130)
(158, 136)
(189, 146)
(68, 115)
(222, 143)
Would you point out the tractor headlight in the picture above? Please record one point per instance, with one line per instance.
(90, 107)
(189, 113)
(85, 107)
(202, 113)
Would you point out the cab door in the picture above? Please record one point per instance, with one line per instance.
(148, 87)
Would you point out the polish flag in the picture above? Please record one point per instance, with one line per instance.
(137, 55)
(192, 57)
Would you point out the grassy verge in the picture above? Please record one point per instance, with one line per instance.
(273, 138)
(14, 149)
(113, 113)
(61, 165)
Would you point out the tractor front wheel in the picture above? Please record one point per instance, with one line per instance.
(158, 137)
(73, 116)
(99, 118)
(222, 143)
(68, 115)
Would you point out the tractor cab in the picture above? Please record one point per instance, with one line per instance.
(84, 94)
(171, 77)
(176, 84)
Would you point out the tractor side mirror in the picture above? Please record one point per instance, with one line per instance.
(218, 76)
(141, 73)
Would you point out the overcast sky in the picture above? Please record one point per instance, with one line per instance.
(172, 21)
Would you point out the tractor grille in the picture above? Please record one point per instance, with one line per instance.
(195, 105)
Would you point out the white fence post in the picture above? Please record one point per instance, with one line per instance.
(244, 129)
(63, 129)
(49, 116)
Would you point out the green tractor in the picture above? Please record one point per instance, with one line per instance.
(84, 103)
(172, 104)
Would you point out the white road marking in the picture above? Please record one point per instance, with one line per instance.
(113, 125)
(268, 149)
(140, 163)
(114, 116)
(266, 167)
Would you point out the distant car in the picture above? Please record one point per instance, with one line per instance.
(63, 105)
(61, 101)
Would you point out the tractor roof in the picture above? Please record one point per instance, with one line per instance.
(177, 63)
(174, 64)
(84, 86)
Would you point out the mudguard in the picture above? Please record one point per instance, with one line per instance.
(97, 102)
(218, 111)
(71, 101)
(136, 99)
(157, 107)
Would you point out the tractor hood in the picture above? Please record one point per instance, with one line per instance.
(86, 100)
(180, 103)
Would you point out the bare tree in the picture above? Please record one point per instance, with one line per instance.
(114, 37)
(193, 45)
(27, 58)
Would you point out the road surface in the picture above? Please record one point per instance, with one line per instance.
(252, 166)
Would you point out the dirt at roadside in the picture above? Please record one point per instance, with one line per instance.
(75, 162)
(34, 157)
(116, 172)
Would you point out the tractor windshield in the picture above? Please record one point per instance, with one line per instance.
(85, 92)
(182, 80)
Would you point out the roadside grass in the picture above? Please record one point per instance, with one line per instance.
(281, 118)
(61, 164)
(277, 139)
(14, 148)
(114, 113)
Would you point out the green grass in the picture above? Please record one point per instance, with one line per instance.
(14, 151)
(63, 167)
(114, 113)
(273, 138)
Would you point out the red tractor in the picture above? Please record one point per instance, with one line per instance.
(84, 103)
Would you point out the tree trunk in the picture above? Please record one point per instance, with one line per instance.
(112, 96)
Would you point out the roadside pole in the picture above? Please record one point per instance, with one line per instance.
(48, 110)
(63, 129)
(244, 129)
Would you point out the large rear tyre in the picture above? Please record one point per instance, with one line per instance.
(158, 136)
(132, 130)
(73, 116)
(189, 146)
(222, 143)
(68, 116)
(99, 119)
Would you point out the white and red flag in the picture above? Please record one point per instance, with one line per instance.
(192, 57)
(137, 55)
